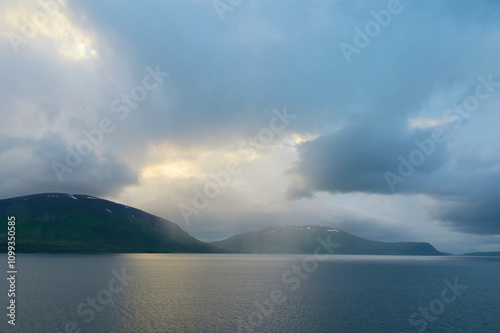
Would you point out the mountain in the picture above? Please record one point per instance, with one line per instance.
(57, 222)
(67, 223)
(305, 239)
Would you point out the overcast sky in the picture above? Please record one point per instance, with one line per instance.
(377, 117)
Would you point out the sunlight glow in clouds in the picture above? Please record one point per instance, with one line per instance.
(176, 169)
(301, 138)
(174, 163)
(197, 163)
(29, 20)
(424, 122)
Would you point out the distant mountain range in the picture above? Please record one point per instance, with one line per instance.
(66, 223)
(305, 239)
(482, 254)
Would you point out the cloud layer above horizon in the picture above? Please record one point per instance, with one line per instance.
(377, 117)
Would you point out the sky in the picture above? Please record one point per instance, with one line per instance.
(376, 117)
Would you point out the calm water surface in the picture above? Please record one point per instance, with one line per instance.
(254, 293)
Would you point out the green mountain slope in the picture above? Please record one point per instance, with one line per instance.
(57, 222)
(304, 239)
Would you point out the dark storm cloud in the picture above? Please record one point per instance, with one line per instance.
(355, 158)
(26, 166)
(469, 201)
(470, 215)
